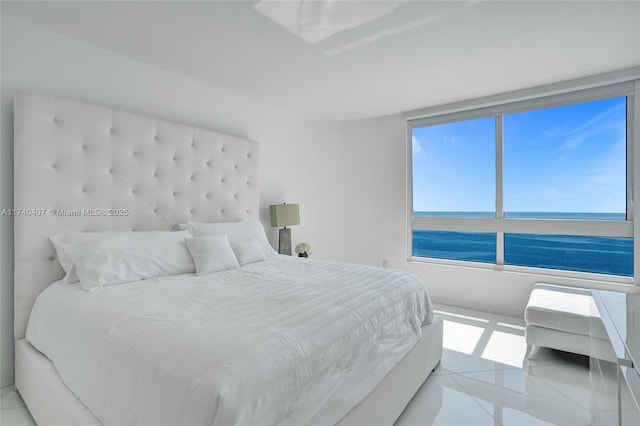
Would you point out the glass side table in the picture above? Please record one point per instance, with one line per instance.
(620, 314)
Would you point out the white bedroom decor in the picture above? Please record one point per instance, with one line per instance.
(303, 249)
(199, 199)
(283, 215)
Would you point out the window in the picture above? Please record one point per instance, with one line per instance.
(543, 183)
(567, 162)
(455, 168)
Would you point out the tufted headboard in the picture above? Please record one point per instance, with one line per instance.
(90, 168)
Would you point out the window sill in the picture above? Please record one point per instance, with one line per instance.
(524, 270)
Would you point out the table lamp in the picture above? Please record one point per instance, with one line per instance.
(284, 215)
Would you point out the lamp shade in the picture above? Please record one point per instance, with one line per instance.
(284, 215)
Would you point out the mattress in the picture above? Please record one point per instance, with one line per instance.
(284, 341)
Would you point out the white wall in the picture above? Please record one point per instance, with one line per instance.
(35, 59)
(354, 191)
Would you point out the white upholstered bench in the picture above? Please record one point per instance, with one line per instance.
(567, 319)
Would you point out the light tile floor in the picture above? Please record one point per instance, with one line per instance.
(13, 410)
(483, 379)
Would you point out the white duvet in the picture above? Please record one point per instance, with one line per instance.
(285, 341)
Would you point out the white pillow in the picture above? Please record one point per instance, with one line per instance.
(247, 250)
(130, 256)
(61, 244)
(235, 231)
(211, 254)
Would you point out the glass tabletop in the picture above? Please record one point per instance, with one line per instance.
(620, 313)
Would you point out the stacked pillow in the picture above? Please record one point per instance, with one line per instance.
(97, 259)
(212, 254)
(247, 239)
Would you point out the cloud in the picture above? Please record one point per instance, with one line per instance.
(598, 124)
(600, 117)
(450, 139)
(416, 146)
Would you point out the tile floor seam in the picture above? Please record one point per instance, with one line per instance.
(453, 376)
(506, 367)
(555, 388)
(14, 408)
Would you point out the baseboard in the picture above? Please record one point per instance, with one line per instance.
(7, 379)
(478, 307)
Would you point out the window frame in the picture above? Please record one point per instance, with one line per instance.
(498, 106)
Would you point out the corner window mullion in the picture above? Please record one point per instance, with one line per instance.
(633, 183)
(631, 129)
(499, 189)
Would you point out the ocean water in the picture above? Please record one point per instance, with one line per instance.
(604, 255)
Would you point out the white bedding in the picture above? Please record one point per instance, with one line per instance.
(284, 341)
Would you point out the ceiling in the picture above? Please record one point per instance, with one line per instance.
(344, 60)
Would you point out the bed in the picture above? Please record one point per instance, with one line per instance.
(80, 168)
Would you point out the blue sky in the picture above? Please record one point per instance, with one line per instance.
(570, 158)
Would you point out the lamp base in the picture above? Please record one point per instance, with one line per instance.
(284, 244)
